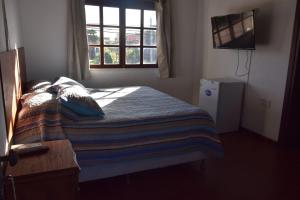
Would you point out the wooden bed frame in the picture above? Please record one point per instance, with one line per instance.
(13, 77)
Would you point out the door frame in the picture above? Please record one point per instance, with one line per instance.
(285, 135)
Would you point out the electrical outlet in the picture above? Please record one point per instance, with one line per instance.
(265, 103)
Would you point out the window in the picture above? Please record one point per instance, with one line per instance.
(121, 36)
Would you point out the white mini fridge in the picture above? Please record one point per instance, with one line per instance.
(222, 99)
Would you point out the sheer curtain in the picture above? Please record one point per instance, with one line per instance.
(164, 29)
(78, 59)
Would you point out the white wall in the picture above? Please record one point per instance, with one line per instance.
(3, 140)
(274, 27)
(13, 21)
(198, 47)
(44, 35)
(2, 33)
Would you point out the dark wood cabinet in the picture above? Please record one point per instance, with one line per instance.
(47, 176)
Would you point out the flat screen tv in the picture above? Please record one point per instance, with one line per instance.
(234, 31)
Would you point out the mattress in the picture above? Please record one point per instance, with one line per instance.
(142, 129)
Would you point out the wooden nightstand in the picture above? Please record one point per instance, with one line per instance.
(51, 175)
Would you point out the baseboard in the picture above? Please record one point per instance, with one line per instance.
(258, 135)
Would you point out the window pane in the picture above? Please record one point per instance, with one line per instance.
(133, 55)
(111, 16)
(248, 24)
(150, 56)
(133, 37)
(94, 55)
(92, 15)
(225, 36)
(217, 42)
(150, 19)
(149, 37)
(93, 34)
(111, 36)
(111, 55)
(133, 17)
(238, 29)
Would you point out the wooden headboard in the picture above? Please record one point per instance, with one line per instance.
(13, 75)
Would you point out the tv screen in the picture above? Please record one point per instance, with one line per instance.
(235, 31)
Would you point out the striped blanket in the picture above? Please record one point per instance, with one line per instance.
(139, 123)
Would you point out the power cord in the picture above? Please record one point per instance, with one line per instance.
(249, 68)
(238, 62)
(12, 159)
(11, 178)
(1, 181)
(247, 65)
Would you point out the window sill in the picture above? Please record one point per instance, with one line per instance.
(92, 67)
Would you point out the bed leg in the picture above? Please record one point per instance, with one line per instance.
(128, 179)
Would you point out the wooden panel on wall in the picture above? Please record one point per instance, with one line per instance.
(12, 75)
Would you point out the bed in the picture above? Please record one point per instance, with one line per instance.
(142, 129)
